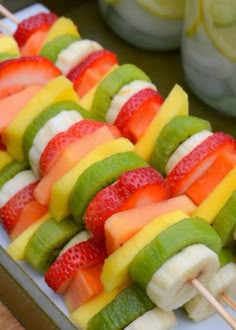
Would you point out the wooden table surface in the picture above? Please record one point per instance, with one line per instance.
(7, 321)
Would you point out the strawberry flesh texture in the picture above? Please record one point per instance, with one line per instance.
(19, 73)
(27, 27)
(11, 211)
(62, 139)
(194, 164)
(101, 58)
(82, 255)
(133, 188)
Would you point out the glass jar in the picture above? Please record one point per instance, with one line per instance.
(209, 52)
(146, 24)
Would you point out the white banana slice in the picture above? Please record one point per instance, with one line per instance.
(124, 94)
(222, 282)
(170, 286)
(80, 237)
(155, 319)
(70, 57)
(59, 123)
(185, 148)
(15, 184)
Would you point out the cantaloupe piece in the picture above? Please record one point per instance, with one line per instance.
(84, 286)
(115, 269)
(12, 105)
(62, 189)
(175, 104)
(9, 45)
(34, 43)
(16, 249)
(5, 158)
(31, 213)
(56, 90)
(61, 26)
(209, 208)
(84, 313)
(123, 225)
(68, 158)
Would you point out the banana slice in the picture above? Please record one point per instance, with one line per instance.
(170, 287)
(223, 282)
(155, 319)
(80, 237)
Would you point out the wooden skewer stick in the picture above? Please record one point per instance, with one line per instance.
(229, 301)
(5, 12)
(214, 303)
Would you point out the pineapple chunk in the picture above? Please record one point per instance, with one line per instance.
(8, 45)
(5, 158)
(175, 104)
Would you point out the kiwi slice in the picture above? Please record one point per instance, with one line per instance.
(51, 111)
(172, 135)
(10, 170)
(225, 221)
(52, 48)
(111, 85)
(46, 243)
(98, 176)
(126, 307)
(225, 257)
(168, 243)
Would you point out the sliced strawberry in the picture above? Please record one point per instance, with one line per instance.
(82, 255)
(32, 24)
(18, 73)
(138, 103)
(192, 166)
(133, 188)
(99, 62)
(11, 211)
(61, 140)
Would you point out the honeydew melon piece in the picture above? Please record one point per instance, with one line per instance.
(175, 104)
(56, 90)
(115, 270)
(61, 190)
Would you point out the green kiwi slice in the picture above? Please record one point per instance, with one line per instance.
(225, 221)
(46, 243)
(168, 243)
(126, 307)
(172, 135)
(225, 257)
(51, 111)
(98, 176)
(52, 48)
(6, 56)
(111, 85)
(10, 170)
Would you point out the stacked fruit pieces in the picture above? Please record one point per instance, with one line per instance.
(96, 175)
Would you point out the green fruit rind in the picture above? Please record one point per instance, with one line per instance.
(46, 243)
(171, 241)
(38, 122)
(127, 306)
(225, 257)
(98, 176)
(111, 85)
(11, 169)
(172, 135)
(225, 221)
(52, 48)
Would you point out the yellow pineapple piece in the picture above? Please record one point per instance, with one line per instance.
(8, 45)
(56, 90)
(5, 158)
(209, 208)
(115, 269)
(175, 104)
(61, 26)
(62, 189)
(16, 249)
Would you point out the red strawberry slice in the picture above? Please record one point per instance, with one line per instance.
(192, 166)
(61, 140)
(11, 211)
(133, 188)
(82, 255)
(139, 105)
(99, 62)
(18, 73)
(32, 24)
